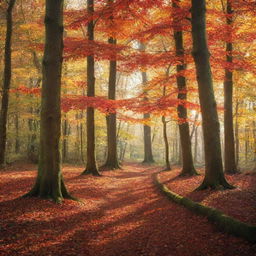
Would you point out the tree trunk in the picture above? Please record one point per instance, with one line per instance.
(214, 175)
(166, 143)
(65, 139)
(237, 134)
(6, 81)
(196, 145)
(164, 122)
(112, 160)
(49, 181)
(246, 146)
(17, 136)
(229, 143)
(148, 155)
(185, 140)
(91, 166)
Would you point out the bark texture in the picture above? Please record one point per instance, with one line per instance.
(185, 140)
(112, 159)
(166, 144)
(229, 141)
(49, 181)
(148, 155)
(91, 165)
(6, 80)
(214, 175)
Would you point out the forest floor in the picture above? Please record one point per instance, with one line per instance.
(123, 214)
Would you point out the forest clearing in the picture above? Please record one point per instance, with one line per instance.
(127, 127)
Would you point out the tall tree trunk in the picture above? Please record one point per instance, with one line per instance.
(112, 160)
(164, 122)
(229, 142)
(49, 181)
(81, 143)
(196, 145)
(65, 139)
(185, 140)
(17, 136)
(6, 80)
(246, 142)
(91, 165)
(166, 144)
(214, 175)
(237, 134)
(148, 155)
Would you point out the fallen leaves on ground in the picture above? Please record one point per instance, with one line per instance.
(239, 203)
(123, 214)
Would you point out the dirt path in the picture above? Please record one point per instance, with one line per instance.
(123, 215)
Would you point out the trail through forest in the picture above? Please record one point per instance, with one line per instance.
(123, 215)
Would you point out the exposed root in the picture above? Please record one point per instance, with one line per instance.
(91, 172)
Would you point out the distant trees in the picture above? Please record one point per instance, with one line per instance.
(49, 182)
(6, 79)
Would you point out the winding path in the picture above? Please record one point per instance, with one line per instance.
(123, 215)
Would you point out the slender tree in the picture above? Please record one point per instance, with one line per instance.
(185, 140)
(6, 80)
(229, 141)
(91, 165)
(49, 182)
(214, 175)
(112, 159)
(148, 155)
(164, 122)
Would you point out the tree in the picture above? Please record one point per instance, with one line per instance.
(166, 142)
(49, 182)
(6, 80)
(214, 176)
(229, 143)
(112, 160)
(91, 165)
(148, 155)
(185, 140)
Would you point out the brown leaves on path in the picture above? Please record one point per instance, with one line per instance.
(123, 215)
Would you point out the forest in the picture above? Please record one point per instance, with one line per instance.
(127, 127)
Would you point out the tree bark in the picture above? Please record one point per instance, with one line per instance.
(164, 122)
(188, 168)
(17, 135)
(91, 165)
(148, 155)
(229, 142)
(196, 145)
(237, 134)
(49, 181)
(214, 175)
(6, 80)
(166, 144)
(112, 159)
(65, 140)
